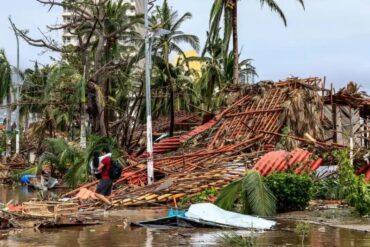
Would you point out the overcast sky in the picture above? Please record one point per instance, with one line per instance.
(330, 38)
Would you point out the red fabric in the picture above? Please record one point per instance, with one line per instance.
(105, 172)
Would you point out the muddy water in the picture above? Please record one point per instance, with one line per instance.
(117, 235)
(21, 194)
(116, 232)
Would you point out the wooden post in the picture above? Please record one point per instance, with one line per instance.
(323, 84)
(334, 114)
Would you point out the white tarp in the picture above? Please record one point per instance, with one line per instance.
(211, 213)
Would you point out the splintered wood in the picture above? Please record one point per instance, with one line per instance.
(49, 209)
(183, 185)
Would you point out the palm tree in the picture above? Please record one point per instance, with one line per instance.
(217, 72)
(6, 91)
(229, 9)
(212, 75)
(35, 81)
(163, 17)
(53, 93)
(255, 197)
(184, 94)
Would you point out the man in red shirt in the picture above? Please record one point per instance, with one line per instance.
(105, 184)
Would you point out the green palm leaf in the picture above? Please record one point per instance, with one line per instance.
(229, 195)
(256, 196)
(5, 76)
(252, 192)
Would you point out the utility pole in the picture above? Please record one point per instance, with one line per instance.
(83, 134)
(17, 85)
(149, 135)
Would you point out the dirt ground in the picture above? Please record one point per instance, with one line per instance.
(333, 217)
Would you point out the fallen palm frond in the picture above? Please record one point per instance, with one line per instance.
(254, 196)
(229, 195)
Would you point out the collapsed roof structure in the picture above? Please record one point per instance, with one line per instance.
(264, 116)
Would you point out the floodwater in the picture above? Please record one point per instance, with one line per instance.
(116, 232)
(21, 194)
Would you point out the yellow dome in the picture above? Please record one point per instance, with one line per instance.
(194, 65)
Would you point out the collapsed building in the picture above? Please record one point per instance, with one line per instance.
(296, 114)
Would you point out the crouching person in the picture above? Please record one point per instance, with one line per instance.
(105, 184)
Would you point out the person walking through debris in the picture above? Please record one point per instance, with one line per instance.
(105, 184)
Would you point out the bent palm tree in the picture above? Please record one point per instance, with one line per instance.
(229, 9)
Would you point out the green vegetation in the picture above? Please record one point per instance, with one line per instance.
(205, 195)
(293, 192)
(353, 188)
(327, 189)
(227, 11)
(236, 240)
(98, 86)
(69, 161)
(6, 89)
(170, 78)
(302, 229)
(251, 192)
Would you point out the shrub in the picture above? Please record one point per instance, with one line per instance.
(327, 189)
(293, 192)
(353, 188)
(204, 195)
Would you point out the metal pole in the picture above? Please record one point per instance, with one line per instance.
(17, 129)
(149, 144)
(17, 135)
(83, 134)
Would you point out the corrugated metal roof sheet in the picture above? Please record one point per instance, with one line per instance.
(279, 161)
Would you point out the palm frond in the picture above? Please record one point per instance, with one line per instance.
(5, 76)
(275, 8)
(181, 20)
(229, 195)
(192, 40)
(256, 196)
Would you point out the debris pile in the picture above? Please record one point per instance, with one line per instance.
(243, 136)
(12, 163)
